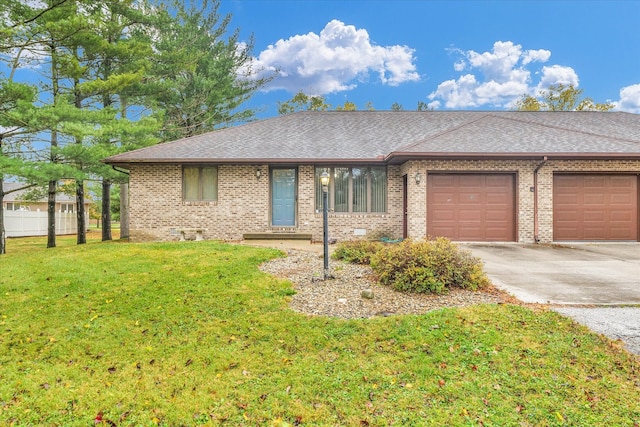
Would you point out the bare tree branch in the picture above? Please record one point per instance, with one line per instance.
(4, 193)
(50, 8)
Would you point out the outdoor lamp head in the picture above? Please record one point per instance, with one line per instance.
(324, 179)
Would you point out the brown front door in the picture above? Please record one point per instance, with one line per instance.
(595, 207)
(471, 207)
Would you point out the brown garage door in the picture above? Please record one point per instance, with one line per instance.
(471, 207)
(595, 207)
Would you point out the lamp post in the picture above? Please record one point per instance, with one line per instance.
(324, 180)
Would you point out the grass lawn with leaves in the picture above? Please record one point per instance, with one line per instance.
(192, 333)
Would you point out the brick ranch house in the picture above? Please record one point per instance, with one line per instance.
(471, 176)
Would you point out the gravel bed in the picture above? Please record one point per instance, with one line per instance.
(341, 296)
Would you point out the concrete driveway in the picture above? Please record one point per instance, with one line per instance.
(588, 282)
(602, 274)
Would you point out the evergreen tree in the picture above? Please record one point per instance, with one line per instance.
(202, 75)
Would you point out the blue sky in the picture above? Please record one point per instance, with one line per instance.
(461, 54)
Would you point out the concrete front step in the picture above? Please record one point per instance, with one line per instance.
(276, 236)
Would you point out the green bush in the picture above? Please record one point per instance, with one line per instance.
(356, 251)
(431, 266)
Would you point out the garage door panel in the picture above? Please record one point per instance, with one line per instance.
(623, 217)
(472, 232)
(483, 206)
(497, 199)
(595, 199)
(594, 216)
(442, 198)
(466, 180)
(566, 217)
(443, 181)
(498, 216)
(443, 216)
(467, 215)
(623, 200)
(442, 231)
(602, 207)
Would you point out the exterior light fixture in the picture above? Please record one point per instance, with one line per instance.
(258, 173)
(324, 180)
(418, 177)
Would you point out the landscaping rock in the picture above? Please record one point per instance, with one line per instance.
(342, 296)
(367, 293)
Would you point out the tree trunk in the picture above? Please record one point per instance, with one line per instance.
(53, 184)
(80, 213)
(51, 215)
(106, 210)
(124, 210)
(80, 216)
(3, 236)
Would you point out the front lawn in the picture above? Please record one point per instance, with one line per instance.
(192, 333)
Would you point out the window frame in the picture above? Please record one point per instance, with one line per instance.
(369, 182)
(201, 183)
(67, 207)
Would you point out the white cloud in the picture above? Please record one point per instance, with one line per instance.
(557, 74)
(498, 78)
(540, 55)
(629, 99)
(334, 60)
(498, 64)
(456, 93)
(27, 59)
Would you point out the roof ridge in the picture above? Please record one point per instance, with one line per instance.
(437, 135)
(600, 135)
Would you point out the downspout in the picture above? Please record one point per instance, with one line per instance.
(536, 237)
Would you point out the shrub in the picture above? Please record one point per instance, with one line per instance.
(431, 266)
(356, 251)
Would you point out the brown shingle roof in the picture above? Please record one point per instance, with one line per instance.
(376, 136)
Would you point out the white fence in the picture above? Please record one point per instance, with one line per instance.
(26, 223)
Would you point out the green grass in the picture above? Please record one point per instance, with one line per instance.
(192, 333)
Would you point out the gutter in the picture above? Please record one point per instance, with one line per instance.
(536, 238)
(115, 168)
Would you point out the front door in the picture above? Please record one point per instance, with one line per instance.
(283, 197)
